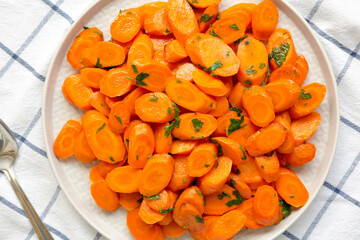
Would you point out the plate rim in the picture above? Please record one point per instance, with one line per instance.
(101, 4)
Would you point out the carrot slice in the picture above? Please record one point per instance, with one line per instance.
(302, 154)
(126, 25)
(91, 76)
(302, 69)
(148, 9)
(91, 116)
(142, 49)
(266, 205)
(249, 173)
(154, 107)
(239, 184)
(141, 230)
(288, 144)
(66, 139)
(240, 135)
(105, 168)
(203, 3)
(264, 19)
(182, 20)
(116, 82)
(82, 149)
(76, 55)
(189, 96)
(104, 197)
(173, 230)
(175, 52)
(162, 143)
(128, 130)
(222, 106)
(244, 10)
(180, 178)
(141, 145)
(227, 225)
(268, 167)
(231, 149)
(208, 221)
(119, 117)
(208, 16)
(111, 101)
(209, 84)
(258, 103)
(228, 29)
(160, 41)
(291, 189)
(310, 98)
(167, 219)
(130, 99)
(286, 71)
(253, 58)
(194, 126)
(221, 123)
(226, 199)
(130, 201)
(156, 174)
(78, 92)
(236, 95)
(201, 159)
(157, 23)
(184, 71)
(214, 180)
(106, 54)
(160, 202)
(97, 100)
(124, 179)
(149, 215)
(247, 208)
(94, 175)
(182, 146)
(305, 127)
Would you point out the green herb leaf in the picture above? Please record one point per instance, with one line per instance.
(218, 16)
(195, 1)
(169, 111)
(149, 156)
(247, 81)
(207, 165)
(134, 68)
(100, 128)
(262, 65)
(140, 79)
(205, 18)
(98, 64)
(85, 27)
(291, 196)
(296, 72)
(236, 201)
(130, 78)
(286, 208)
(287, 164)
(244, 153)
(216, 157)
(154, 98)
(262, 167)
(197, 124)
(228, 53)
(184, 180)
(247, 42)
(232, 183)
(217, 164)
(237, 110)
(199, 219)
(137, 157)
(234, 26)
(269, 154)
(77, 36)
(98, 33)
(165, 211)
(112, 159)
(304, 95)
(185, 226)
(176, 122)
(218, 144)
(222, 195)
(167, 31)
(178, 81)
(215, 66)
(153, 197)
(127, 142)
(118, 119)
(279, 54)
(213, 33)
(238, 172)
(250, 71)
(235, 124)
(139, 200)
(240, 39)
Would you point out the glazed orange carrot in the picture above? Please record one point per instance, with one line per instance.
(157, 23)
(284, 93)
(149, 215)
(121, 29)
(148, 9)
(126, 46)
(78, 92)
(310, 98)
(66, 139)
(227, 225)
(208, 16)
(125, 179)
(264, 19)
(174, 51)
(242, 134)
(288, 144)
(203, 3)
(194, 126)
(66, 95)
(111, 101)
(151, 75)
(173, 230)
(249, 173)
(305, 127)
(141, 145)
(97, 100)
(226, 199)
(201, 159)
(180, 178)
(160, 41)
(231, 149)
(187, 95)
(154, 107)
(106, 54)
(221, 123)
(76, 55)
(229, 84)
(105, 168)
(253, 58)
(82, 149)
(94, 174)
(268, 166)
(266, 139)
(244, 10)
(302, 68)
(116, 82)
(156, 174)
(214, 180)
(235, 98)
(130, 201)
(160, 202)
(142, 49)
(128, 130)
(222, 105)
(239, 184)
(302, 154)
(141, 230)
(258, 103)
(130, 99)
(291, 189)
(162, 143)
(182, 146)
(182, 20)
(103, 196)
(286, 71)
(119, 117)
(167, 219)
(208, 221)
(247, 208)
(281, 48)
(283, 118)
(92, 33)
(212, 54)
(160, 57)
(266, 205)
(91, 116)
(184, 71)
(228, 29)
(92, 76)
(209, 84)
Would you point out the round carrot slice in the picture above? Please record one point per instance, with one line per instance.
(124, 179)
(201, 159)
(104, 197)
(228, 28)
(116, 82)
(106, 54)
(126, 25)
(180, 178)
(266, 205)
(209, 84)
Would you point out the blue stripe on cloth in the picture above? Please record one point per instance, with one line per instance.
(290, 235)
(333, 40)
(30, 145)
(21, 212)
(22, 62)
(97, 236)
(350, 124)
(59, 11)
(30, 38)
(31, 125)
(314, 9)
(341, 193)
(331, 198)
(46, 211)
(347, 65)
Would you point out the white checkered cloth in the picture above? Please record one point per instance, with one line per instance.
(30, 34)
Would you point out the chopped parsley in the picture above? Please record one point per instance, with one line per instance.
(185, 226)
(198, 192)
(137, 157)
(167, 31)
(232, 183)
(304, 95)
(85, 27)
(262, 65)
(247, 42)
(197, 124)
(213, 33)
(153, 197)
(269, 154)
(237, 110)
(247, 81)
(218, 16)
(287, 164)
(234, 26)
(219, 146)
(291, 196)
(207, 165)
(176, 122)
(195, 1)
(154, 98)
(178, 81)
(222, 195)
(112, 159)
(100, 128)
(118, 119)
(216, 157)
(198, 37)
(134, 68)
(286, 208)
(217, 164)
(98, 33)
(184, 180)
(235, 124)
(236, 201)
(199, 219)
(169, 111)
(250, 70)
(262, 167)
(238, 172)
(279, 54)
(296, 72)
(228, 53)
(98, 64)
(130, 78)
(244, 157)
(213, 67)
(149, 156)
(140, 78)
(206, 18)
(165, 211)
(127, 142)
(240, 39)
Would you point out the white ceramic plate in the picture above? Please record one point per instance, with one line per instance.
(73, 175)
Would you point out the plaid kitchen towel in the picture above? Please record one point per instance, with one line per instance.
(30, 34)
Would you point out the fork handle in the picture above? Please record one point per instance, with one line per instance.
(38, 225)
